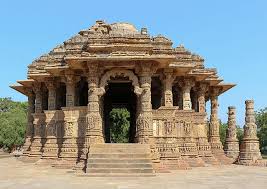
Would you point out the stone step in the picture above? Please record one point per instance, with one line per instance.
(119, 160)
(119, 165)
(118, 155)
(119, 150)
(120, 145)
(117, 175)
(120, 170)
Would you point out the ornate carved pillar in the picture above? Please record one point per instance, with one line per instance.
(168, 79)
(70, 145)
(38, 97)
(29, 128)
(94, 131)
(144, 122)
(50, 150)
(38, 123)
(71, 81)
(231, 147)
(249, 149)
(201, 90)
(214, 128)
(51, 86)
(186, 84)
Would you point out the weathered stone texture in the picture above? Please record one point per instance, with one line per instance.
(170, 87)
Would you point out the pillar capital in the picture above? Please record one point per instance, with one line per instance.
(70, 78)
(29, 92)
(37, 87)
(51, 83)
(186, 83)
(202, 88)
(215, 91)
(146, 68)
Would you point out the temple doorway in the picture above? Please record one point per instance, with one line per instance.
(119, 112)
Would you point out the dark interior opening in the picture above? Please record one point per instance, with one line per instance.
(61, 96)
(119, 95)
(82, 92)
(156, 92)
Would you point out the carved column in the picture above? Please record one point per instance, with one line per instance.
(186, 86)
(214, 127)
(51, 86)
(144, 122)
(168, 79)
(38, 123)
(70, 89)
(50, 150)
(38, 98)
(29, 129)
(249, 149)
(70, 145)
(201, 91)
(231, 147)
(94, 131)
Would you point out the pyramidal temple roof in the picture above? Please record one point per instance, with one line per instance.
(121, 42)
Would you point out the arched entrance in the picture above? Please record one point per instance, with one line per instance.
(119, 96)
(121, 90)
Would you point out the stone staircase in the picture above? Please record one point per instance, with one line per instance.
(121, 160)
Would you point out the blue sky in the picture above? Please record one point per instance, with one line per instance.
(230, 35)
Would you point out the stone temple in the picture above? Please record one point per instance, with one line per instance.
(72, 89)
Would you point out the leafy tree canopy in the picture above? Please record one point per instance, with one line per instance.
(119, 125)
(13, 121)
(261, 121)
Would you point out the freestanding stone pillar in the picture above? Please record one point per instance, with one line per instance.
(249, 149)
(214, 130)
(29, 128)
(231, 147)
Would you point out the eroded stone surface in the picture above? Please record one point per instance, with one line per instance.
(169, 85)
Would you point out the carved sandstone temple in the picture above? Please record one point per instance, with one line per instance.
(72, 89)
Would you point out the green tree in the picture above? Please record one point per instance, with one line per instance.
(223, 129)
(261, 121)
(119, 125)
(13, 121)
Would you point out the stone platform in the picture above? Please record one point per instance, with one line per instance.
(17, 174)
